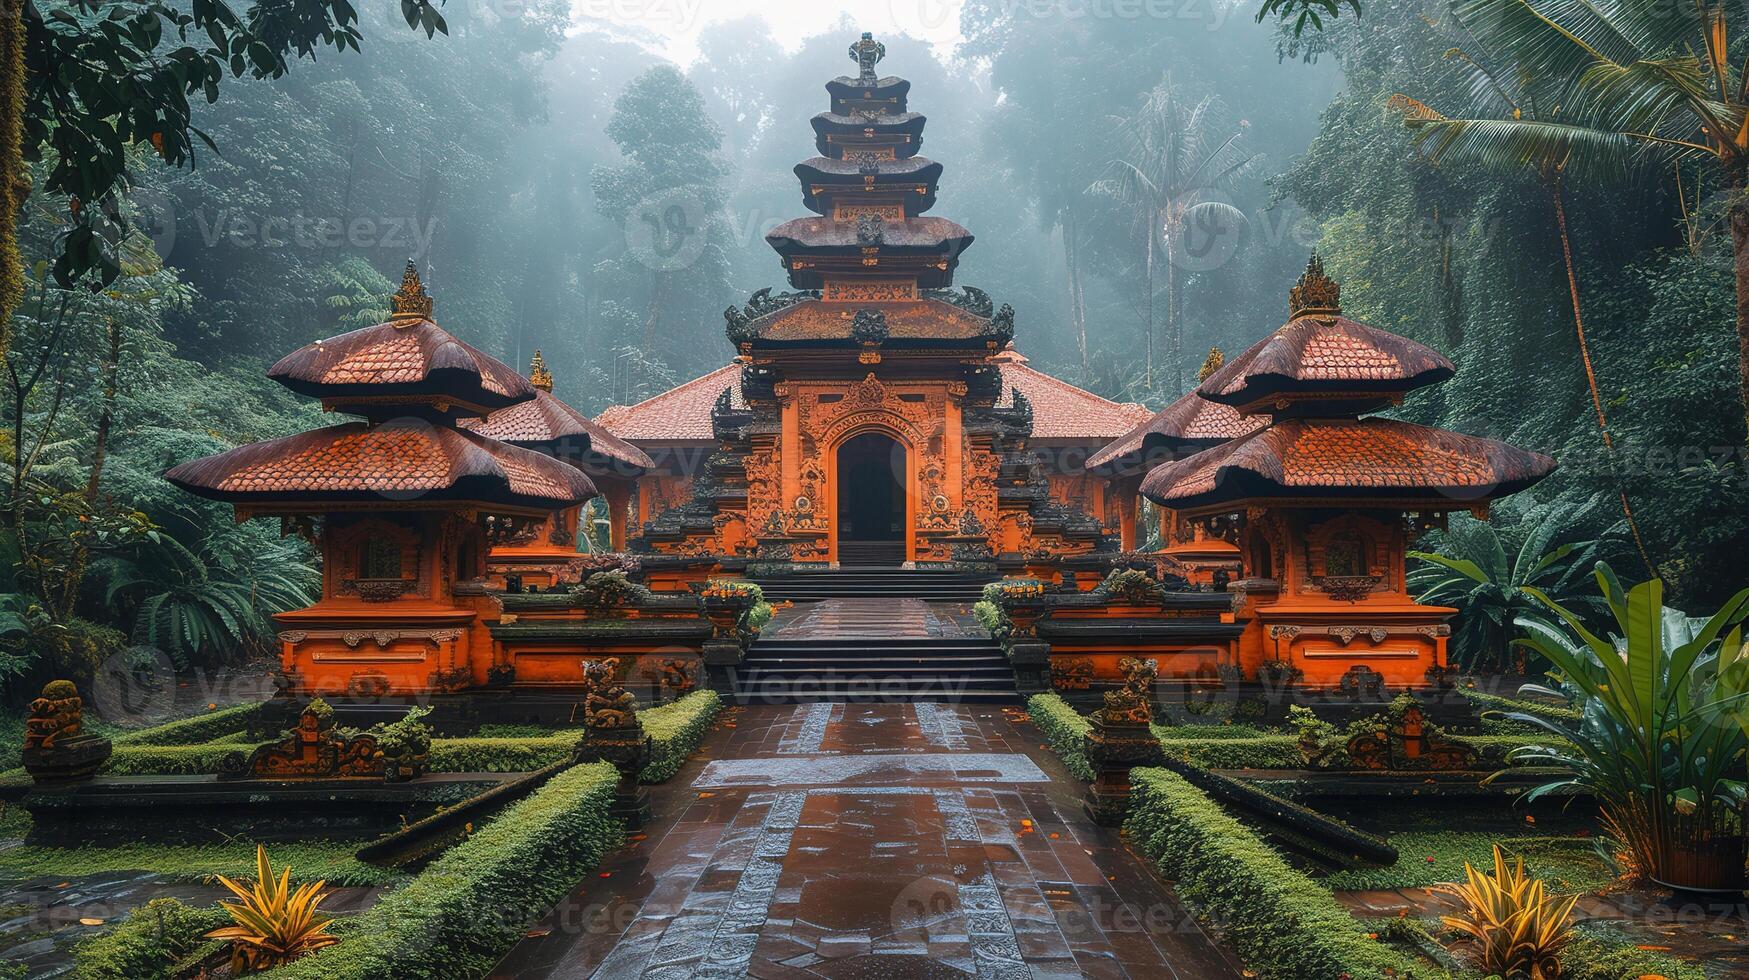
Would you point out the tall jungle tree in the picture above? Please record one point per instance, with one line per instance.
(1632, 80)
(1178, 150)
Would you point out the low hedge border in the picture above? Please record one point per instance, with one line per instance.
(1280, 921)
(1065, 731)
(1542, 709)
(1600, 952)
(675, 732)
(1257, 752)
(196, 730)
(675, 729)
(472, 903)
(153, 943)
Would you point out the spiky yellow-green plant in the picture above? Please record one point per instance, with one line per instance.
(1519, 929)
(274, 924)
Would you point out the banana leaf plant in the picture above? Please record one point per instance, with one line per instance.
(1664, 729)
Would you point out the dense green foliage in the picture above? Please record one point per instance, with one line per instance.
(1662, 739)
(1064, 729)
(150, 944)
(1472, 571)
(1281, 922)
(460, 913)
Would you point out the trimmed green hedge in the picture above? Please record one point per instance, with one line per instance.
(150, 944)
(675, 732)
(1221, 752)
(471, 904)
(1284, 924)
(196, 730)
(1065, 731)
(1542, 709)
(501, 754)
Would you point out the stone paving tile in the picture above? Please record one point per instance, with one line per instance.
(875, 854)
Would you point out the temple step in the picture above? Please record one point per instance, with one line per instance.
(878, 553)
(862, 582)
(955, 669)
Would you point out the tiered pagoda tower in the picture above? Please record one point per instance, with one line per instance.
(403, 504)
(1323, 501)
(874, 415)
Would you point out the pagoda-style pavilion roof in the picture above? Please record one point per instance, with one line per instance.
(929, 322)
(914, 178)
(1061, 411)
(1321, 355)
(1188, 425)
(833, 132)
(545, 422)
(680, 414)
(928, 235)
(408, 462)
(406, 365)
(1352, 460)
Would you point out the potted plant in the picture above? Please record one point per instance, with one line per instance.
(1662, 737)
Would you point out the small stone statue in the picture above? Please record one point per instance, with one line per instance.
(58, 714)
(607, 705)
(1132, 704)
(56, 746)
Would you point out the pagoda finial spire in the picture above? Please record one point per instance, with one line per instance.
(1315, 294)
(411, 302)
(867, 52)
(1215, 361)
(538, 375)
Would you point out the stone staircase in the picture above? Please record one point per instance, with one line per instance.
(874, 582)
(892, 668)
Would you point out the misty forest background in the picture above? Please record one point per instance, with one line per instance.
(511, 157)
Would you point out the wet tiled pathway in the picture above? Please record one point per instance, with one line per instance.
(871, 840)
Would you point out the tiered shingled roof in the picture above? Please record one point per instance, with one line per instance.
(1191, 423)
(681, 414)
(408, 358)
(1369, 457)
(408, 462)
(545, 422)
(420, 379)
(1321, 353)
(1327, 370)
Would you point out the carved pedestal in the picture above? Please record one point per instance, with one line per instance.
(1031, 660)
(67, 760)
(721, 657)
(628, 748)
(1112, 751)
(57, 749)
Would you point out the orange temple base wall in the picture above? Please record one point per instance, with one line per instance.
(1338, 598)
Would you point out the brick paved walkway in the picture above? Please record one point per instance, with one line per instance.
(871, 840)
(836, 619)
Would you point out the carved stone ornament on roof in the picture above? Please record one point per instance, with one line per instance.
(738, 327)
(1002, 324)
(1315, 294)
(763, 301)
(867, 52)
(868, 165)
(969, 298)
(871, 229)
(869, 327)
(410, 302)
(538, 375)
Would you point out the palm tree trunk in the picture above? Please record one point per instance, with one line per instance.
(1077, 299)
(105, 418)
(14, 178)
(1174, 325)
(1148, 305)
(1627, 508)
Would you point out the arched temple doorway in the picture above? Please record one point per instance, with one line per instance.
(870, 512)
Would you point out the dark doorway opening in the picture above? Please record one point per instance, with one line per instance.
(871, 500)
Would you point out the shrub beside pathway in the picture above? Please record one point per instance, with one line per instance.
(863, 840)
